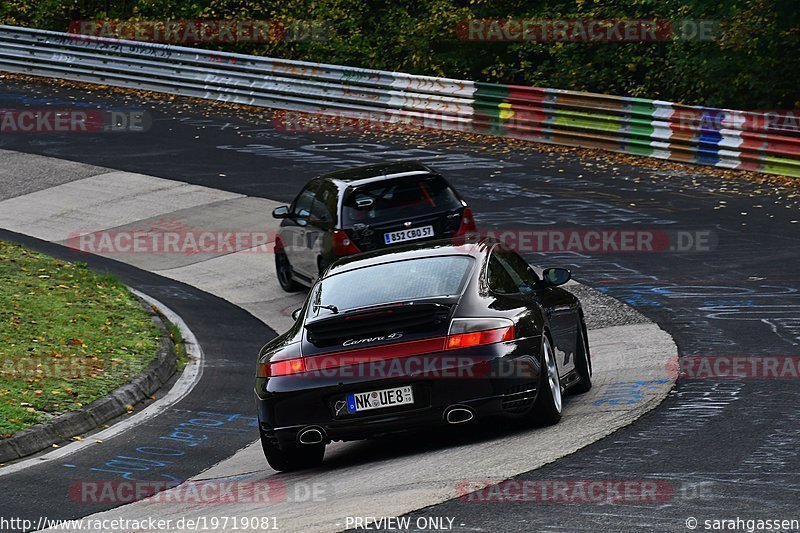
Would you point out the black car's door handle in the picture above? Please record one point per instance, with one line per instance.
(555, 309)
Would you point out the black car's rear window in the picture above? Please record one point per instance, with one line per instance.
(398, 198)
(412, 279)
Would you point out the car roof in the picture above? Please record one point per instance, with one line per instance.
(472, 246)
(354, 177)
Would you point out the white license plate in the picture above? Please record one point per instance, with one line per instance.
(408, 234)
(364, 401)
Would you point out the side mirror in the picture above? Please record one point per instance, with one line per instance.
(281, 212)
(556, 276)
(296, 313)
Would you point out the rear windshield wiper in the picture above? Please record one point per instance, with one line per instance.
(332, 308)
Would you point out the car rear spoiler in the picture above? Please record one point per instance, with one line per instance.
(378, 319)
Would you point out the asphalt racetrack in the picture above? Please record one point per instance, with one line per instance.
(713, 445)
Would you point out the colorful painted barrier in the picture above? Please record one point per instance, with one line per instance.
(763, 142)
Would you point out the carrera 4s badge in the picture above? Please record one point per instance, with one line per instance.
(390, 337)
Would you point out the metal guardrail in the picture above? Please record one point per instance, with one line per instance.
(654, 128)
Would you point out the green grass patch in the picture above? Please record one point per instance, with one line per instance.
(68, 336)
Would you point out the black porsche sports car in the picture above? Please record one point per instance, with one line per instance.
(443, 332)
(361, 209)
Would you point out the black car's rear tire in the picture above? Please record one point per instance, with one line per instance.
(292, 458)
(283, 270)
(583, 362)
(546, 410)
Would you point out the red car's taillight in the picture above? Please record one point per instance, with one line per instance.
(342, 245)
(467, 223)
(468, 332)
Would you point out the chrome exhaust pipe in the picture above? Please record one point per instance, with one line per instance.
(311, 436)
(459, 415)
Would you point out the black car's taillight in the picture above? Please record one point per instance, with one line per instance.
(360, 356)
(343, 245)
(468, 332)
(283, 363)
(467, 223)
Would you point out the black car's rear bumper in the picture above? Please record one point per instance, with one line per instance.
(494, 380)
